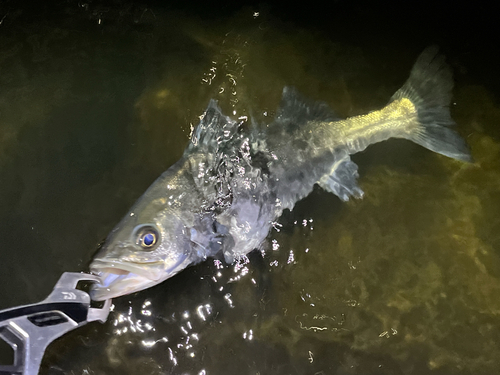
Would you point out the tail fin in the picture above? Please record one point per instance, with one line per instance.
(429, 89)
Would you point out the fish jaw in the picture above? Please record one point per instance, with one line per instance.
(120, 278)
(118, 283)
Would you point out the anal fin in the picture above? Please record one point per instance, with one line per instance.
(342, 180)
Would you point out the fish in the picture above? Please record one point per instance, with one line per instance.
(233, 181)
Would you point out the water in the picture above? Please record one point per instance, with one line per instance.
(99, 98)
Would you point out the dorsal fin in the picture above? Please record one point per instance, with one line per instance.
(214, 129)
(212, 145)
(295, 110)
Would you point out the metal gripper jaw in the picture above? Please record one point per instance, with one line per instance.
(29, 329)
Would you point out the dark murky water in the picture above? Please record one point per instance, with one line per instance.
(97, 99)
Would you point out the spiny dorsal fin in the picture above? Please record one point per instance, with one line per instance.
(213, 129)
(208, 152)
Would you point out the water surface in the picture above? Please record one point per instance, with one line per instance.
(99, 99)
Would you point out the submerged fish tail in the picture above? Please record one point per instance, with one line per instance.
(318, 148)
(429, 90)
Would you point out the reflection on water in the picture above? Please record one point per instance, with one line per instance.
(97, 101)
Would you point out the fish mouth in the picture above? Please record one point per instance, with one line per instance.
(119, 278)
(151, 270)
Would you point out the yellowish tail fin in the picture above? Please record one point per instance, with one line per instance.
(429, 89)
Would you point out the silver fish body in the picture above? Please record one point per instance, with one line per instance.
(230, 185)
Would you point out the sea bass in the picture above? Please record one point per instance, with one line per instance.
(232, 183)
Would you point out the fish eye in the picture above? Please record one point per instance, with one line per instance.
(146, 237)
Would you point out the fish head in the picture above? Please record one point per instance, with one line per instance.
(148, 246)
